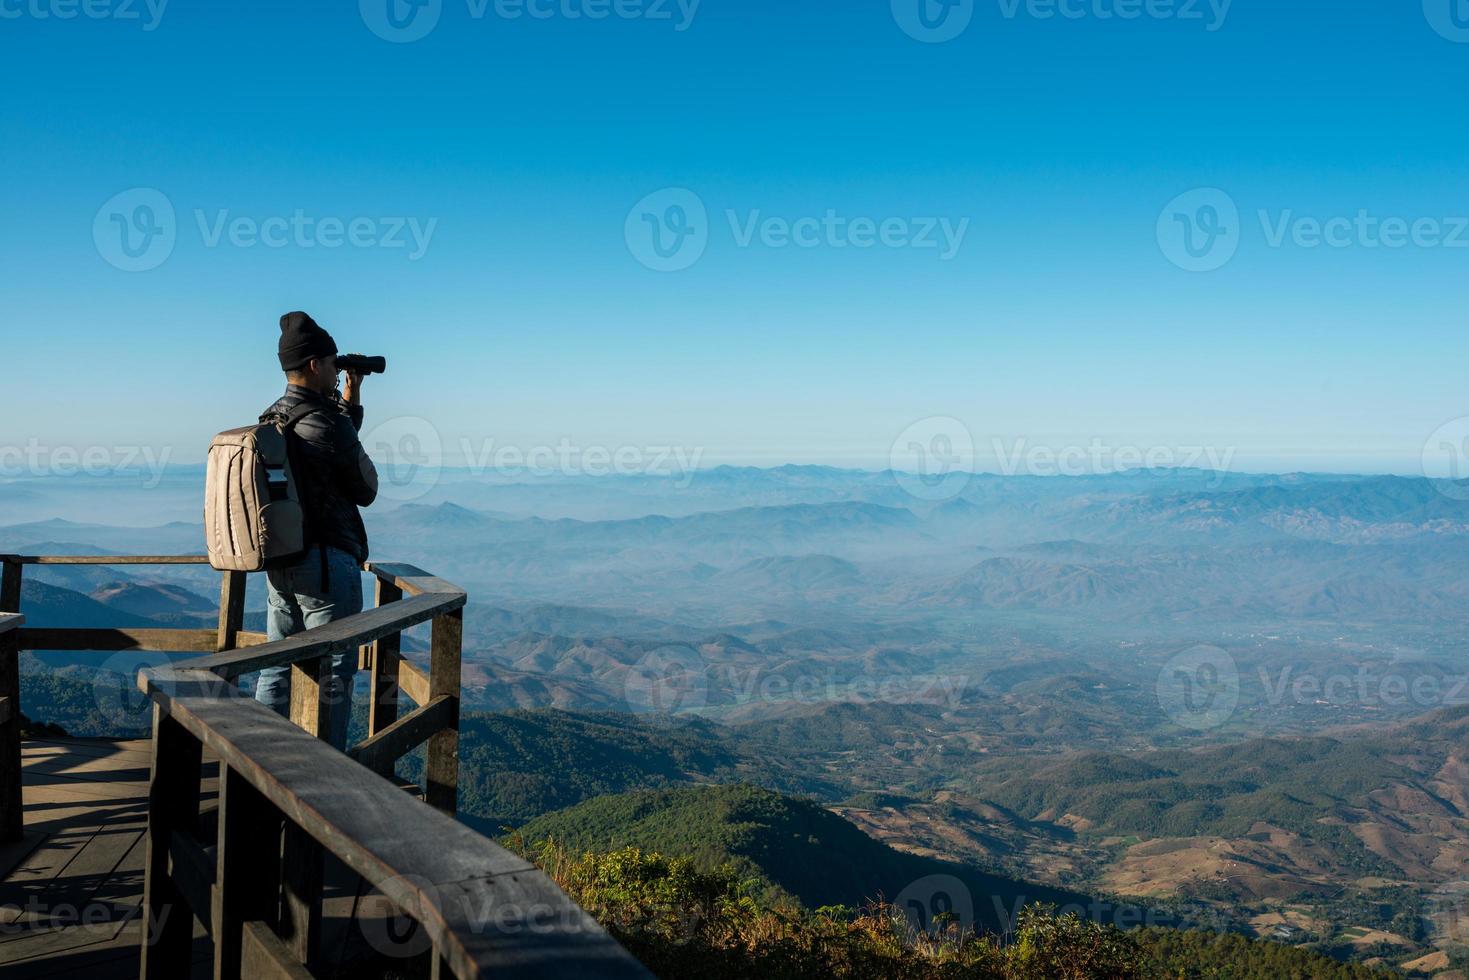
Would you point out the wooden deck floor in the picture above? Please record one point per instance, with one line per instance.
(71, 892)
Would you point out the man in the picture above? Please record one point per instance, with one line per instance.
(334, 477)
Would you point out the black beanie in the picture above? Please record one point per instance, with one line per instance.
(301, 340)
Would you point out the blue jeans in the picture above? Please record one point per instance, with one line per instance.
(296, 602)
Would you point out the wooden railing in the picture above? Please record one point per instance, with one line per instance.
(251, 870)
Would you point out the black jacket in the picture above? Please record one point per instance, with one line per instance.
(338, 476)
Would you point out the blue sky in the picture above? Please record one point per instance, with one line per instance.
(526, 143)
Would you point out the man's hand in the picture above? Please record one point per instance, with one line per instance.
(352, 389)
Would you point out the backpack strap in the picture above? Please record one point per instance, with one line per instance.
(288, 422)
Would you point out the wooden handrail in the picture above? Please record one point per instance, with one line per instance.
(335, 637)
(105, 559)
(486, 911)
(259, 896)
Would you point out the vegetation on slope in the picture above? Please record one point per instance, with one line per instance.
(684, 922)
(791, 849)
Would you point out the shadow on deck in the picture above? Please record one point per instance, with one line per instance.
(71, 892)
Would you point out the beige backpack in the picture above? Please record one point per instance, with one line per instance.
(254, 517)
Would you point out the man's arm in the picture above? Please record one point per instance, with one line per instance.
(352, 396)
(356, 476)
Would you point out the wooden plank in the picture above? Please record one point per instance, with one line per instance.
(12, 815)
(382, 750)
(309, 691)
(441, 772)
(10, 621)
(413, 682)
(99, 747)
(338, 636)
(58, 900)
(266, 957)
(105, 559)
(247, 872)
(153, 639)
(404, 849)
(10, 587)
(302, 875)
(504, 920)
(173, 806)
(192, 871)
(384, 662)
(250, 638)
(412, 580)
(231, 610)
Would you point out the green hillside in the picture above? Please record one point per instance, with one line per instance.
(521, 764)
(793, 847)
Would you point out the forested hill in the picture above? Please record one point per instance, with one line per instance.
(793, 847)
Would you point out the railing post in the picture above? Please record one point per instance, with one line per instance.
(12, 803)
(383, 704)
(173, 808)
(441, 780)
(231, 610)
(302, 867)
(310, 690)
(302, 860)
(247, 872)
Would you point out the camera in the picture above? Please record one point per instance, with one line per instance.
(361, 364)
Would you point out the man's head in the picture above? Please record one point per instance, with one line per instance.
(308, 354)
